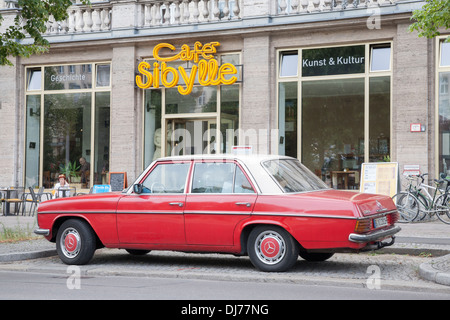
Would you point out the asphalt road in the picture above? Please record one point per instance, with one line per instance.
(48, 286)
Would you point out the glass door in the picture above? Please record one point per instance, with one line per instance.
(191, 136)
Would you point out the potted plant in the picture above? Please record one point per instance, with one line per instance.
(70, 170)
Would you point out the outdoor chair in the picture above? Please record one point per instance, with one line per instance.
(36, 198)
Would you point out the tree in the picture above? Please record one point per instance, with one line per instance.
(31, 21)
(435, 14)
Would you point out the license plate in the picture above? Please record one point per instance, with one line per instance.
(380, 222)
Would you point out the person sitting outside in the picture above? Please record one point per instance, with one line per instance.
(58, 189)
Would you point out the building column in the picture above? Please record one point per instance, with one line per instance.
(410, 100)
(125, 153)
(10, 142)
(256, 94)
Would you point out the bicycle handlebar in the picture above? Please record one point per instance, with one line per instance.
(444, 177)
(422, 177)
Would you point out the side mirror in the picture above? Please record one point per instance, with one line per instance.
(137, 188)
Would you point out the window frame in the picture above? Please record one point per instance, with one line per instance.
(438, 69)
(380, 46)
(160, 165)
(367, 75)
(42, 92)
(236, 167)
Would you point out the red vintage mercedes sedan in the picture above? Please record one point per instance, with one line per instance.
(271, 208)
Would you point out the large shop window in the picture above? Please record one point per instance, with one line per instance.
(444, 107)
(335, 114)
(67, 124)
(205, 121)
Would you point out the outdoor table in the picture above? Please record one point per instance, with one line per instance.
(64, 192)
(335, 175)
(8, 192)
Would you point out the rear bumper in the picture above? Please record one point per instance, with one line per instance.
(373, 236)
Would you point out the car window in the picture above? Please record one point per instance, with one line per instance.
(223, 177)
(167, 178)
(292, 176)
(241, 183)
(213, 177)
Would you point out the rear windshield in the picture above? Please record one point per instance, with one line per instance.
(292, 176)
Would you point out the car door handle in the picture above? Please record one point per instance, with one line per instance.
(180, 204)
(247, 204)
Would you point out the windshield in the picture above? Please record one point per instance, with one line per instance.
(292, 176)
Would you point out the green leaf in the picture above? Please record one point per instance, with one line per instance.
(31, 19)
(431, 19)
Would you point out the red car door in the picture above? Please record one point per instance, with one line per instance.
(155, 216)
(220, 197)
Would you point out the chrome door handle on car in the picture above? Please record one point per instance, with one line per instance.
(180, 204)
(247, 204)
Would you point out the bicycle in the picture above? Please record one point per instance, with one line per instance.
(407, 202)
(442, 204)
(416, 202)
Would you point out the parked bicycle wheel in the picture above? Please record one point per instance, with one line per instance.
(442, 208)
(407, 206)
(424, 206)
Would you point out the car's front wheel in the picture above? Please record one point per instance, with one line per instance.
(272, 248)
(75, 242)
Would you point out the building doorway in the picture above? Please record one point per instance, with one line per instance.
(191, 136)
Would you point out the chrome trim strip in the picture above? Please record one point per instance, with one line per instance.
(324, 216)
(246, 213)
(205, 213)
(150, 212)
(306, 215)
(377, 215)
(77, 212)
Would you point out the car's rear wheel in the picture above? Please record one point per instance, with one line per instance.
(137, 252)
(316, 256)
(272, 248)
(75, 242)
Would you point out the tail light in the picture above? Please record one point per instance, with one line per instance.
(366, 225)
(394, 217)
(363, 225)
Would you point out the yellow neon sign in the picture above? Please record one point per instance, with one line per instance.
(208, 70)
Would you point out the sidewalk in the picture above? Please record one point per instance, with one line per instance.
(414, 238)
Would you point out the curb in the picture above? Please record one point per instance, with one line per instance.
(9, 257)
(428, 272)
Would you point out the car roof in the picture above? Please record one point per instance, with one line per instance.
(244, 158)
(252, 164)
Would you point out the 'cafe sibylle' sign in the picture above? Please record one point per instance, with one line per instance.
(206, 71)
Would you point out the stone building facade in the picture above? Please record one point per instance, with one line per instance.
(334, 83)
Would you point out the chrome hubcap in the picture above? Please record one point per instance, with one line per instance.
(270, 247)
(70, 243)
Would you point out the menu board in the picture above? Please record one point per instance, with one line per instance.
(118, 180)
(380, 178)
